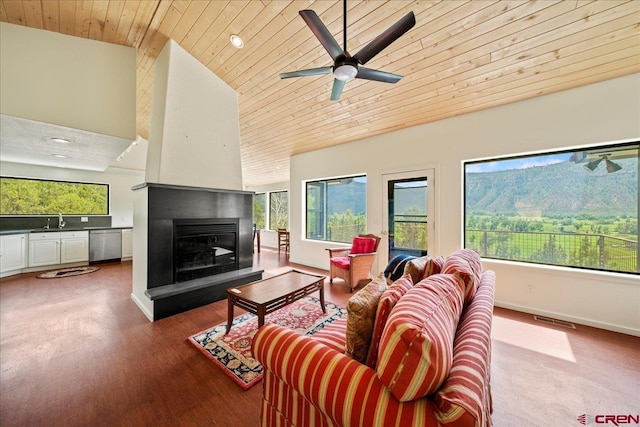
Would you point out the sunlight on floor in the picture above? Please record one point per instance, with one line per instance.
(540, 339)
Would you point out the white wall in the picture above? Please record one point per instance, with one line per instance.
(603, 112)
(194, 137)
(68, 81)
(120, 182)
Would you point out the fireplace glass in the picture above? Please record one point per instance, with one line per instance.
(204, 248)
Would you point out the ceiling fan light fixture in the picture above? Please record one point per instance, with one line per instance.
(345, 72)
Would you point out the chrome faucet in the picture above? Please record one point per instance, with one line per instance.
(61, 222)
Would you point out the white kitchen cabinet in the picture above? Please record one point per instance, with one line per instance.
(13, 252)
(74, 246)
(44, 249)
(127, 243)
(56, 247)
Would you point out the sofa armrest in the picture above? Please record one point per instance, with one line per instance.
(341, 389)
(471, 363)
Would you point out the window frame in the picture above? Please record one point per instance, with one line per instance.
(65, 213)
(633, 144)
(324, 227)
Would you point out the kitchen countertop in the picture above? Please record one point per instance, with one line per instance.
(42, 230)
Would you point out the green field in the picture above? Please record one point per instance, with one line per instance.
(608, 243)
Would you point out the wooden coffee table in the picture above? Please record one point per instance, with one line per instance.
(268, 295)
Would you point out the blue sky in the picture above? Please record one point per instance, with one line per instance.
(520, 163)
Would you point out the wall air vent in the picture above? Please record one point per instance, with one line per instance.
(555, 322)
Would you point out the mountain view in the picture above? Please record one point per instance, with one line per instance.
(352, 196)
(410, 199)
(557, 189)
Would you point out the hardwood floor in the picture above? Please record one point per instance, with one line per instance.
(78, 352)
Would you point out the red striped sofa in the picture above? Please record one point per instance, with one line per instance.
(310, 381)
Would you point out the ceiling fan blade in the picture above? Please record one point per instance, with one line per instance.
(309, 72)
(321, 32)
(338, 85)
(390, 35)
(377, 75)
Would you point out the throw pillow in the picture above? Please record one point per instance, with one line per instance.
(363, 245)
(361, 313)
(416, 349)
(415, 267)
(433, 266)
(466, 264)
(388, 300)
(395, 268)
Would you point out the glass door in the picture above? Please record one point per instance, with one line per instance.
(408, 215)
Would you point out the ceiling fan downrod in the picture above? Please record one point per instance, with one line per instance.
(344, 25)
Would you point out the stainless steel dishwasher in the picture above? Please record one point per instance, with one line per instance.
(105, 245)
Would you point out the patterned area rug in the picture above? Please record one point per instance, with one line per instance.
(232, 353)
(66, 272)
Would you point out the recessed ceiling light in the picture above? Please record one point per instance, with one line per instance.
(236, 41)
(61, 140)
(60, 156)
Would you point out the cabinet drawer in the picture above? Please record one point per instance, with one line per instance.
(53, 235)
(74, 234)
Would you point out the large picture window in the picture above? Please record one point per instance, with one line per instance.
(23, 196)
(575, 208)
(278, 210)
(336, 208)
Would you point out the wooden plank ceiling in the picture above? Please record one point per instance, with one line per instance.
(461, 56)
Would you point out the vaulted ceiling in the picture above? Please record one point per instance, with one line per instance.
(461, 56)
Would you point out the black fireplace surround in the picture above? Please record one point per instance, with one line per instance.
(200, 242)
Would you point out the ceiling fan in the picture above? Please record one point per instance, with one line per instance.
(346, 67)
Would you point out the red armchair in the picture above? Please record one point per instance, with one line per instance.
(353, 265)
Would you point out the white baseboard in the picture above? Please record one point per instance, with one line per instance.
(573, 319)
(142, 308)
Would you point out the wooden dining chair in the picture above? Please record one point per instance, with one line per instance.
(283, 240)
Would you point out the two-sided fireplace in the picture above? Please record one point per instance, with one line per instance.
(204, 247)
(193, 244)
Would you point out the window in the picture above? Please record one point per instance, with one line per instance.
(278, 210)
(336, 208)
(23, 196)
(259, 210)
(570, 208)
